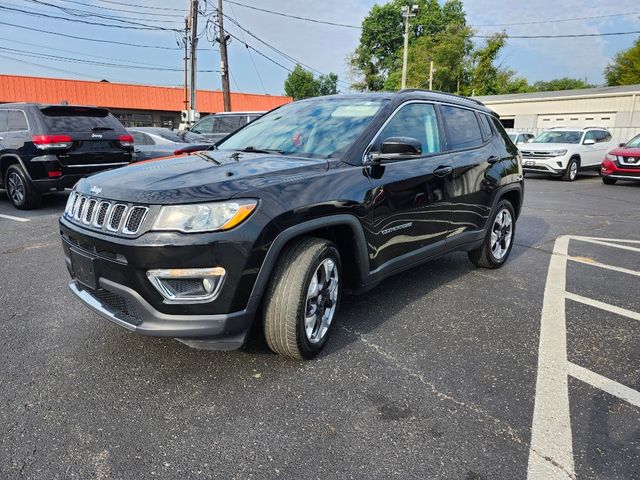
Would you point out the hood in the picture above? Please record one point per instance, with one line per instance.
(195, 178)
(546, 147)
(626, 151)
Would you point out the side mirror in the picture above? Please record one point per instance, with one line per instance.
(589, 141)
(395, 149)
(621, 144)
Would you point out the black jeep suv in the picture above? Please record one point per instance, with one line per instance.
(44, 147)
(315, 198)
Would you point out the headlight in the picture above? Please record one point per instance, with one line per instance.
(558, 153)
(204, 217)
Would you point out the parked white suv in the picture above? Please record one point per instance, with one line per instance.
(565, 151)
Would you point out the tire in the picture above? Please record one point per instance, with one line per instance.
(571, 173)
(287, 328)
(609, 181)
(487, 256)
(21, 192)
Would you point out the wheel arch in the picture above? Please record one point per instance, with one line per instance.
(344, 230)
(512, 193)
(11, 159)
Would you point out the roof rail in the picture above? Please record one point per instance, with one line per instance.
(593, 126)
(447, 94)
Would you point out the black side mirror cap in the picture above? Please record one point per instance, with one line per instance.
(395, 149)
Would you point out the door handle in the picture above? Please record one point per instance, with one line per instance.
(442, 171)
(493, 159)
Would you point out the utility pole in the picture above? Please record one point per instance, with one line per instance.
(407, 12)
(224, 60)
(193, 16)
(186, 64)
(431, 75)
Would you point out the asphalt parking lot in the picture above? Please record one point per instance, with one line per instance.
(441, 372)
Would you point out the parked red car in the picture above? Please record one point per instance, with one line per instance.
(622, 163)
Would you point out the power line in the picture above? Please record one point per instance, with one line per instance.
(568, 35)
(140, 6)
(250, 56)
(84, 4)
(76, 37)
(282, 14)
(559, 20)
(86, 13)
(91, 62)
(21, 60)
(258, 52)
(140, 26)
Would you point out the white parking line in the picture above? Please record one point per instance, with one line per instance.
(11, 217)
(551, 448)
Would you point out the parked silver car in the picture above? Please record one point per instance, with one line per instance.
(154, 142)
(217, 126)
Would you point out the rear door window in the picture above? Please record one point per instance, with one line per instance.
(228, 123)
(16, 121)
(140, 138)
(463, 130)
(63, 119)
(203, 126)
(3, 120)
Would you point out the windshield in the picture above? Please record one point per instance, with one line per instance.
(634, 142)
(181, 137)
(513, 136)
(314, 128)
(556, 136)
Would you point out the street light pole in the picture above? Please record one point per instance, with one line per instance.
(407, 12)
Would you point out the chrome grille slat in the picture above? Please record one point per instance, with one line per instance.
(105, 215)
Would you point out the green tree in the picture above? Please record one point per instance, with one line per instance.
(625, 69)
(564, 83)
(327, 84)
(486, 78)
(300, 83)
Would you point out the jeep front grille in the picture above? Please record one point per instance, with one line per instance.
(104, 215)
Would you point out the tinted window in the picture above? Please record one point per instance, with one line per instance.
(203, 126)
(602, 136)
(229, 123)
(416, 120)
(487, 133)
(140, 138)
(63, 119)
(463, 130)
(16, 121)
(3, 120)
(559, 136)
(590, 135)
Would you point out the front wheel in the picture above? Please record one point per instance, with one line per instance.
(609, 181)
(496, 247)
(302, 298)
(571, 173)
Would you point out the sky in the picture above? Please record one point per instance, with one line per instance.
(322, 47)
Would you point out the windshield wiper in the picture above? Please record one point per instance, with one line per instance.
(252, 149)
(101, 129)
(206, 157)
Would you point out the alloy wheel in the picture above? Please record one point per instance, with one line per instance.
(15, 188)
(322, 299)
(501, 234)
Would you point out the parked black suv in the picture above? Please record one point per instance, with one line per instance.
(44, 147)
(317, 197)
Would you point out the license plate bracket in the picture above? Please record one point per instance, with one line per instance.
(85, 268)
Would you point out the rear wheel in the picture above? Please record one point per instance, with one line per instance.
(609, 181)
(22, 193)
(571, 173)
(495, 249)
(302, 298)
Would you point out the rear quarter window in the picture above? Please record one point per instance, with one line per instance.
(463, 130)
(68, 119)
(16, 121)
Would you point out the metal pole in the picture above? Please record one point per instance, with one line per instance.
(405, 53)
(431, 75)
(186, 64)
(194, 46)
(224, 61)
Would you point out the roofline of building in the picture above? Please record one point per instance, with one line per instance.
(534, 98)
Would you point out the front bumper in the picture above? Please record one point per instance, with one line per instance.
(552, 165)
(610, 169)
(128, 309)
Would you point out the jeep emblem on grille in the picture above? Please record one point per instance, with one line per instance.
(96, 190)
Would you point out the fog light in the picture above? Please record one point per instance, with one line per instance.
(188, 285)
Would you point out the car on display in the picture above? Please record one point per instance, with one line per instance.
(217, 126)
(521, 137)
(316, 198)
(154, 142)
(622, 163)
(45, 147)
(564, 151)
